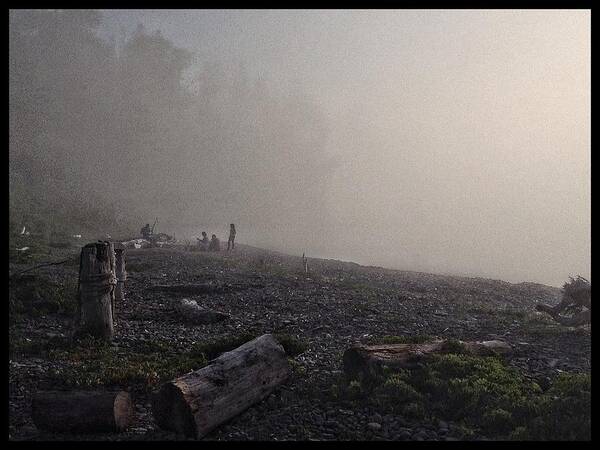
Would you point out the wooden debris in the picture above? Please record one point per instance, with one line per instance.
(82, 411)
(576, 301)
(198, 402)
(369, 360)
(193, 313)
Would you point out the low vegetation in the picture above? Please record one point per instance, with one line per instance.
(479, 393)
(88, 362)
(36, 294)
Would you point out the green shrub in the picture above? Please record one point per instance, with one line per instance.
(486, 394)
(563, 412)
(395, 391)
(355, 390)
(454, 346)
(497, 421)
(291, 345)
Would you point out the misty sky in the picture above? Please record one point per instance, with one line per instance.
(461, 138)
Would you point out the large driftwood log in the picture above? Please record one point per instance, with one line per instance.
(82, 411)
(96, 290)
(369, 360)
(576, 301)
(191, 312)
(196, 403)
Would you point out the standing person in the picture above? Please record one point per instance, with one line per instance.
(231, 240)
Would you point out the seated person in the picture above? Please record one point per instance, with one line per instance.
(204, 242)
(146, 232)
(215, 244)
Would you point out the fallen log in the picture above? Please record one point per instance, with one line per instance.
(198, 402)
(82, 411)
(96, 290)
(369, 360)
(576, 301)
(194, 313)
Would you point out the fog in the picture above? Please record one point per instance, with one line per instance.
(453, 142)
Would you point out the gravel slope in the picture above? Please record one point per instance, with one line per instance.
(336, 305)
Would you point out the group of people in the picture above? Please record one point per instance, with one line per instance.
(214, 244)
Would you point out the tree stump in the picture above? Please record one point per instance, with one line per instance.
(191, 312)
(82, 411)
(120, 273)
(196, 403)
(96, 290)
(369, 360)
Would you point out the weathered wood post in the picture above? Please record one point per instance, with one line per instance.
(82, 411)
(120, 274)
(96, 290)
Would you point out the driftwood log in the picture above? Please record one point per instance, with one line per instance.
(576, 302)
(198, 402)
(82, 411)
(369, 360)
(191, 312)
(96, 290)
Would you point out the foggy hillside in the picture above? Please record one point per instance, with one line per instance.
(456, 144)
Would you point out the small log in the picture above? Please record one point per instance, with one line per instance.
(369, 360)
(82, 411)
(198, 402)
(193, 313)
(96, 290)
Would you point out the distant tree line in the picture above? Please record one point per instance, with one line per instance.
(113, 134)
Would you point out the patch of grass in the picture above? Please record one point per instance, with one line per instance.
(19, 346)
(90, 362)
(483, 393)
(36, 295)
(454, 346)
(292, 345)
(212, 350)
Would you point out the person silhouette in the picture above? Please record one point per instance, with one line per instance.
(231, 241)
(215, 244)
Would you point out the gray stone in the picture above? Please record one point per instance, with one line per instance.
(374, 426)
